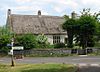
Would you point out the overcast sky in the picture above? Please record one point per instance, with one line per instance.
(47, 7)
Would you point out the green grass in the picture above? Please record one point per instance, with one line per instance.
(38, 68)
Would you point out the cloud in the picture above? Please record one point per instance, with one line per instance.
(23, 1)
(48, 7)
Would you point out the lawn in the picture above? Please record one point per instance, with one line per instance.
(38, 68)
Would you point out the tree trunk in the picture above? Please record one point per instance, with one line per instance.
(70, 38)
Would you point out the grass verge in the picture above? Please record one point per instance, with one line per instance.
(38, 68)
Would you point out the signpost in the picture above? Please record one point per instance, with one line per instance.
(12, 59)
(12, 50)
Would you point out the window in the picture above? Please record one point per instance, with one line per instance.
(56, 39)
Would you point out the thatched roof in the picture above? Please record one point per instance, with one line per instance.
(36, 24)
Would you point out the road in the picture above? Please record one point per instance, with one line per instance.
(83, 63)
(67, 60)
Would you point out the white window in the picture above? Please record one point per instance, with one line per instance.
(56, 39)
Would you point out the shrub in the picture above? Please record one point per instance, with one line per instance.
(28, 41)
(42, 41)
(59, 45)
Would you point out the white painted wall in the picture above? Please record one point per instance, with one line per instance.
(62, 38)
(50, 39)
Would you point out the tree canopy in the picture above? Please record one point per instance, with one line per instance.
(82, 28)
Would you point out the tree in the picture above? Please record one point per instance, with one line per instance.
(97, 26)
(5, 38)
(87, 29)
(69, 25)
(83, 29)
(98, 32)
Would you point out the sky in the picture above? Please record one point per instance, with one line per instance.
(47, 7)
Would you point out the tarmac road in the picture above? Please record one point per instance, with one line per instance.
(66, 60)
(83, 63)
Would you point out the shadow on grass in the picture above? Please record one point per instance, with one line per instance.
(50, 70)
(89, 69)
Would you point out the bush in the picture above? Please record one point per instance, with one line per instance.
(70, 46)
(59, 45)
(42, 41)
(28, 41)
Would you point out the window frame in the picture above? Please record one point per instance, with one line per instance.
(56, 39)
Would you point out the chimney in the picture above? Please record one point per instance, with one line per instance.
(73, 15)
(39, 12)
(9, 12)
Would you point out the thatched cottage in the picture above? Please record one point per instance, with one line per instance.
(50, 26)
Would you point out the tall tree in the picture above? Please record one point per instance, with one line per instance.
(5, 38)
(69, 26)
(87, 28)
(97, 16)
(82, 28)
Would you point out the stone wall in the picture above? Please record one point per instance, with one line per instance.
(54, 51)
(44, 52)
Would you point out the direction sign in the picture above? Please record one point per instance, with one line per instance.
(9, 45)
(18, 48)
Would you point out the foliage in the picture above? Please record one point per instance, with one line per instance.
(87, 29)
(5, 38)
(83, 29)
(42, 38)
(59, 45)
(97, 35)
(69, 25)
(28, 41)
(42, 41)
(6, 31)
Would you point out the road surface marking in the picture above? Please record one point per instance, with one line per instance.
(83, 55)
(85, 58)
(95, 65)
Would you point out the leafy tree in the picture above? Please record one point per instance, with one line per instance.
(83, 29)
(5, 38)
(87, 29)
(98, 32)
(97, 27)
(69, 25)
